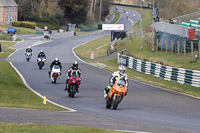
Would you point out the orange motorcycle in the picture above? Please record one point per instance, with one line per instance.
(116, 94)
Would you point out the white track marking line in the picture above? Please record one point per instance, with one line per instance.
(12, 108)
(131, 131)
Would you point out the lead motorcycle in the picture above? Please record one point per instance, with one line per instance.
(28, 55)
(116, 94)
(55, 73)
(41, 62)
(73, 83)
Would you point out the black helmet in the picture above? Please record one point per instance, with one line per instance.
(75, 64)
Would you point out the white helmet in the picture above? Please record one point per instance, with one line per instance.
(29, 47)
(41, 51)
(56, 59)
(122, 69)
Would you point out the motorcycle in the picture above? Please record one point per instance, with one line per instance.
(73, 83)
(41, 62)
(28, 55)
(55, 73)
(116, 94)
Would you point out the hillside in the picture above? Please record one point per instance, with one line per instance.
(169, 8)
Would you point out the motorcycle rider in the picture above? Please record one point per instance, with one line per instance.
(55, 62)
(41, 54)
(118, 74)
(74, 69)
(29, 49)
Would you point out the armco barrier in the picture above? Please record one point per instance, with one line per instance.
(179, 75)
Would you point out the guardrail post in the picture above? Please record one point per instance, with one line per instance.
(178, 47)
(166, 45)
(171, 46)
(199, 49)
(161, 45)
(0, 47)
(184, 48)
(192, 48)
(156, 45)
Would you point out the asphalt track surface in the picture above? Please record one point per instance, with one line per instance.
(145, 108)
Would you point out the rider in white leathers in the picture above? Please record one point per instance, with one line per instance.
(120, 74)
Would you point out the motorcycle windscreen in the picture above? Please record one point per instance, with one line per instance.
(120, 86)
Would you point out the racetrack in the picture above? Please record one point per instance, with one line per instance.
(145, 108)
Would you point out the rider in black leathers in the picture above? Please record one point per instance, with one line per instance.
(73, 70)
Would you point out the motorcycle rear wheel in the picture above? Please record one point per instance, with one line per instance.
(54, 79)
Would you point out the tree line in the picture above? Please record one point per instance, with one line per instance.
(63, 11)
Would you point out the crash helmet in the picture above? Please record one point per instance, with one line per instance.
(122, 69)
(75, 64)
(56, 59)
(41, 51)
(29, 47)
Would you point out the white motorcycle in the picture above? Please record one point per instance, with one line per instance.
(41, 62)
(55, 73)
(28, 55)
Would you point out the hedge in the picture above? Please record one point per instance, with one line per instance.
(25, 24)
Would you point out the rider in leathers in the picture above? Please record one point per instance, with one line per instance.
(73, 70)
(29, 49)
(41, 54)
(55, 62)
(120, 74)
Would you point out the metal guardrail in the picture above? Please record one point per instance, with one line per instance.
(144, 7)
(179, 75)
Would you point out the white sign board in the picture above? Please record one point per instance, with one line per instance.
(112, 26)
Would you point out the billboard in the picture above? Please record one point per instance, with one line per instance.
(112, 26)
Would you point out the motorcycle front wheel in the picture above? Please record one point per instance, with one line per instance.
(116, 102)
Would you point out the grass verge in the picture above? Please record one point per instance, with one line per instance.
(44, 128)
(13, 91)
(21, 30)
(6, 51)
(93, 49)
(117, 16)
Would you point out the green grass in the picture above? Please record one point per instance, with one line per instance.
(91, 25)
(112, 65)
(21, 30)
(49, 25)
(44, 128)
(173, 60)
(98, 47)
(117, 16)
(6, 38)
(5, 50)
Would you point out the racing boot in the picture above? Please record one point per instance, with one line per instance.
(77, 90)
(106, 90)
(66, 87)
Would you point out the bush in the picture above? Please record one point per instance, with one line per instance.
(25, 24)
(49, 25)
(4, 37)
